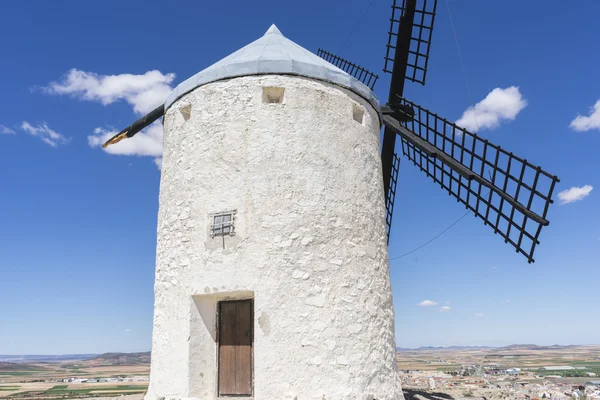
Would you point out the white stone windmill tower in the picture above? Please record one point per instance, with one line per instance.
(272, 277)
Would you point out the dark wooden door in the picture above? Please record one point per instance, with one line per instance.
(235, 348)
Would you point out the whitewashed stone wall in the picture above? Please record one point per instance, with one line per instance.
(310, 245)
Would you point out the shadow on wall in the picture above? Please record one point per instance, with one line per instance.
(206, 306)
(410, 394)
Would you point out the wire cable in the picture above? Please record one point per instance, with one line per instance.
(356, 25)
(464, 70)
(435, 237)
(470, 94)
(431, 240)
(462, 64)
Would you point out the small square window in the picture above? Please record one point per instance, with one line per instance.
(273, 95)
(357, 114)
(186, 112)
(222, 224)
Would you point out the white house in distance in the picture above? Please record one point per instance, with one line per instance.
(272, 275)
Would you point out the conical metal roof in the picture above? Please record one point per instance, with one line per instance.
(273, 53)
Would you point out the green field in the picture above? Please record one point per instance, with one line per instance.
(57, 387)
(590, 366)
(16, 373)
(9, 388)
(63, 390)
(511, 355)
(448, 368)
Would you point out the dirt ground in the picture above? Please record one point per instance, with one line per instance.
(138, 396)
(448, 359)
(42, 386)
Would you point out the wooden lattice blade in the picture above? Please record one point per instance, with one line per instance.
(505, 191)
(411, 28)
(360, 73)
(390, 195)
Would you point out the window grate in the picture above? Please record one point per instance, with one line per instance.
(222, 224)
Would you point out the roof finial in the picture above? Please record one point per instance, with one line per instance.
(273, 29)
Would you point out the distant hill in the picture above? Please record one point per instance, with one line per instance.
(12, 361)
(33, 358)
(425, 348)
(533, 347)
(9, 366)
(511, 347)
(122, 358)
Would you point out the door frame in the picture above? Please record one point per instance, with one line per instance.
(218, 339)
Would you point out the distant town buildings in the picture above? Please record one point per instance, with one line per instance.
(475, 382)
(75, 379)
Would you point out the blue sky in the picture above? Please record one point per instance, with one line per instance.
(77, 225)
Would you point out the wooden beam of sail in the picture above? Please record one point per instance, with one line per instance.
(137, 126)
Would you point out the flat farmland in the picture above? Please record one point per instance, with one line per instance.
(49, 391)
(107, 377)
(529, 357)
(57, 372)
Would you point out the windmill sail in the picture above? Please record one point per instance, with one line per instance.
(391, 195)
(137, 126)
(507, 192)
(360, 73)
(410, 31)
(406, 57)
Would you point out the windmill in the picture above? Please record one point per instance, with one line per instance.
(507, 192)
(272, 277)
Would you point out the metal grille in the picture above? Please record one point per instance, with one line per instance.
(222, 224)
(391, 195)
(507, 192)
(363, 75)
(420, 40)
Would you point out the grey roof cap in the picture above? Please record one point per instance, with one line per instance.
(273, 53)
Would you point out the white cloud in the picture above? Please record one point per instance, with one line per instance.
(445, 308)
(574, 194)
(44, 132)
(582, 123)
(498, 106)
(427, 303)
(5, 130)
(143, 92)
(479, 315)
(128, 330)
